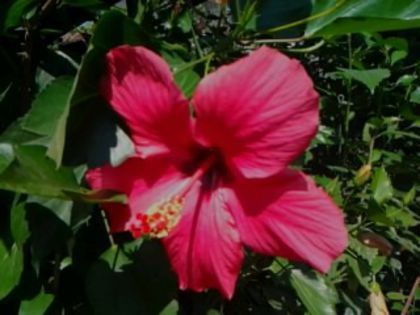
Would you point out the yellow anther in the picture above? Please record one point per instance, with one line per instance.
(159, 220)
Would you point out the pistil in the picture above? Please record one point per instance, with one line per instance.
(163, 216)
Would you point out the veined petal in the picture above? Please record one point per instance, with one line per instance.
(134, 174)
(288, 216)
(146, 194)
(261, 112)
(140, 88)
(119, 178)
(205, 248)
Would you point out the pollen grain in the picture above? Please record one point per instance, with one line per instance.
(159, 219)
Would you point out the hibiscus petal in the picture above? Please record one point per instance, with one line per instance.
(260, 111)
(205, 248)
(140, 87)
(118, 178)
(146, 194)
(134, 174)
(288, 216)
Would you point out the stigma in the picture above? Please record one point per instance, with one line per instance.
(159, 219)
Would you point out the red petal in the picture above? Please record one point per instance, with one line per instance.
(140, 87)
(118, 178)
(288, 216)
(146, 192)
(205, 248)
(260, 111)
(134, 173)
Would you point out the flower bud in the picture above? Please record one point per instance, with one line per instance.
(363, 174)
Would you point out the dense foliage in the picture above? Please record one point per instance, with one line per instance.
(56, 256)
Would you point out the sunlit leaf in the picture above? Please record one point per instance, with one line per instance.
(33, 173)
(409, 196)
(113, 29)
(11, 267)
(415, 96)
(48, 106)
(381, 185)
(6, 156)
(171, 309)
(36, 306)
(318, 298)
(353, 16)
(370, 78)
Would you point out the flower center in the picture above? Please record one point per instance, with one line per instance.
(163, 216)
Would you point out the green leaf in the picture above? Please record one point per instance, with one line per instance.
(406, 80)
(136, 9)
(187, 81)
(11, 267)
(360, 270)
(123, 148)
(185, 77)
(171, 309)
(48, 106)
(397, 56)
(371, 78)
(33, 173)
(396, 296)
(48, 232)
(381, 186)
(409, 196)
(18, 224)
(415, 96)
(115, 258)
(318, 298)
(332, 187)
(145, 286)
(61, 208)
(276, 13)
(363, 251)
(12, 12)
(37, 306)
(184, 22)
(6, 156)
(401, 217)
(85, 3)
(113, 29)
(378, 263)
(15, 135)
(354, 16)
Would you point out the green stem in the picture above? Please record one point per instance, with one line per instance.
(371, 147)
(108, 230)
(193, 63)
(195, 39)
(307, 49)
(349, 86)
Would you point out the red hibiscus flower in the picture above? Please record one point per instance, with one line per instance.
(211, 182)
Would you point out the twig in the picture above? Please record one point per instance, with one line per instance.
(410, 297)
(107, 227)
